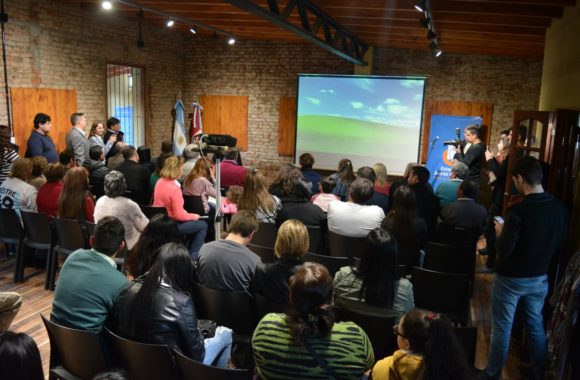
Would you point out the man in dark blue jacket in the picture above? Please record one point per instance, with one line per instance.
(39, 142)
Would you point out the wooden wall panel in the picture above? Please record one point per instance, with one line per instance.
(58, 104)
(226, 115)
(287, 126)
(455, 108)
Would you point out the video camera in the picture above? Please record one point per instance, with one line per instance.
(458, 141)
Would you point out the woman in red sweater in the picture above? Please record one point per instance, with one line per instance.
(75, 201)
(47, 197)
(168, 194)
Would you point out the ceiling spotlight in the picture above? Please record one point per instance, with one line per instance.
(425, 22)
(420, 6)
(170, 23)
(431, 35)
(433, 44)
(231, 40)
(107, 5)
(192, 30)
(437, 53)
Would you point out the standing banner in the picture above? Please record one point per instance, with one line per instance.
(440, 156)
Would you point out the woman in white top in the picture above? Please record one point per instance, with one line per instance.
(256, 198)
(114, 204)
(96, 136)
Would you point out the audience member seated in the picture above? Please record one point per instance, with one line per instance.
(8, 152)
(231, 200)
(48, 194)
(15, 192)
(10, 303)
(89, 281)
(168, 194)
(325, 196)
(409, 230)
(232, 173)
(374, 287)
(156, 174)
(37, 178)
(427, 203)
(465, 212)
(136, 176)
(113, 203)
(354, 218)
(96, 135)
(382, 184)
(401, 182)
(378, 199)
(191, 155)
(343, 177)
(97, 170)
(284, 185)
(117, 158)
(447, 191)
(428, 349)
(257, 199)
(301, 209)
(160, 230)
(309, 176)
(166, 152)
(19, 357)
(200, 182)
(75, 202)
(228, 264)
(271, 280)
(67, 159)
(157, 308)
(307, 343)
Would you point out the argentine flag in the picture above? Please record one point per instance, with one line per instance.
(179, 139)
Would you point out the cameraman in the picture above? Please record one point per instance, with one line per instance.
(472, 154)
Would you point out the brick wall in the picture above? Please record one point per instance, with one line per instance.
(55, 45)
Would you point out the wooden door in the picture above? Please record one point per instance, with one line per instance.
(58, 104)
(226, 115)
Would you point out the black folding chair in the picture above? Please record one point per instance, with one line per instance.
(315, 238)
(74, 353)
(11, 232)
(70, 237)
(265, 236)
(333, 264)
(266, 253)
(451, 259)
(265, 306)
(38, 236)
(151, 211)
(193, 204)
(467, 337)
(456, 235)
(344, 246)
(192, 370)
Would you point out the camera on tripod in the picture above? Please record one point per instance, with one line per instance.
(458, 141)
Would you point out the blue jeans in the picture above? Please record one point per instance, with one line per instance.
(218, 348)
(194, 231)
(506, 292)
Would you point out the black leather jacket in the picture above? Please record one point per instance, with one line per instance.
(172, 321)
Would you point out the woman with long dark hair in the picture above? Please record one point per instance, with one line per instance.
(257, 199)
(428, 350)
(284, 185)
(157, 308)
(374, 287)
(75, 201)
(160, 230)
(19, 357)
(409, 230)
(307, 343)
(343, 177)
(8, 153)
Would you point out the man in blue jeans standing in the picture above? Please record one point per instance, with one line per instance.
(526, 242)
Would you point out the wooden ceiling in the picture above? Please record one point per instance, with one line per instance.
(502, 27)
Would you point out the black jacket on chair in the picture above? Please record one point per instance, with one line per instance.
(171, 321)
(137, 178)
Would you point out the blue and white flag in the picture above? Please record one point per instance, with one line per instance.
(179, 138)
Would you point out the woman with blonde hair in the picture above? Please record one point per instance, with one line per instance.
(382, 184)
(96, 135)
(168, 194)
(200, 182)
(257, 199)
(271, 280)
(75, 201)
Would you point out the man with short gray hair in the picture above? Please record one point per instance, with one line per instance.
(76, 140)
(447, 191)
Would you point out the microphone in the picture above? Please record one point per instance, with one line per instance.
(434, 140)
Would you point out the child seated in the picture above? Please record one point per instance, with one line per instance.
(325, 196)
(230, 201)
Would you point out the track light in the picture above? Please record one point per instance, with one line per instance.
(170, 23)
(192, 30)
(420, 6)
(425, 21)
(231, 40)
(107, 5)
(431, 34)
(433, 44)
(437, 53)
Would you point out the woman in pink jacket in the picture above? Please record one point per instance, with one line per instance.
(168, 194)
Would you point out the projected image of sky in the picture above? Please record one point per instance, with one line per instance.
(366, 119)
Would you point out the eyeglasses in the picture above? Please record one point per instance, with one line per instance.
(397, 332)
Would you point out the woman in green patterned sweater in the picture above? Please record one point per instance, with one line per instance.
(306, 343)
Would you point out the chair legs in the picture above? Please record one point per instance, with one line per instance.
(49, 264)
(53, 269)
(19, 268)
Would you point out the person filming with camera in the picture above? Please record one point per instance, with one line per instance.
(472, 153)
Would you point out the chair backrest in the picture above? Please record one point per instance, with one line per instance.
(37, 229)
(266, 253)
(456, 235)
(333, 264)
(227, 308)
(78, 351)
(265, 236)
(315, 237)
(70, 234)
(194, 204)
(378, 329)
(467, 337)
(450, 258)
(264, 306)
(446, 293)
(344, 246)
(151, 211)
(192, 370)
(144, 361)
(10, 228)
(90, 227)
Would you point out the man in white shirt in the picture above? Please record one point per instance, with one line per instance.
(76, 141)
(354, 218)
